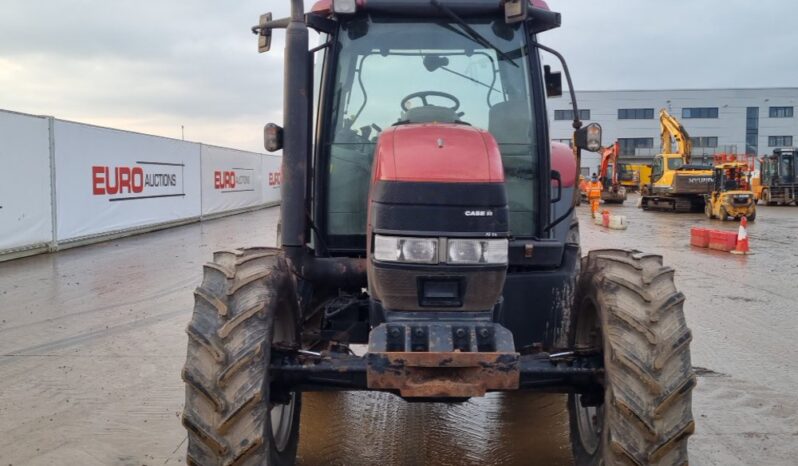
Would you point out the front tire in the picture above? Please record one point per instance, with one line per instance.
(246, 303)
(708, 209)
(629, 307)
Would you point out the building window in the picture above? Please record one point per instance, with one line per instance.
(569, 115)
(780, 141)
(628, 145)
(705, 141)
(700, 112)
(752, 130)
(781, 112)
(635, 113)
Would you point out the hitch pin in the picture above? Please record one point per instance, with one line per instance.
(563, 354)
(308, 353)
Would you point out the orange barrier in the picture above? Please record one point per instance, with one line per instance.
(699, 237)
(721, 240)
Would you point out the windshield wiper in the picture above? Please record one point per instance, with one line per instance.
(475, 36)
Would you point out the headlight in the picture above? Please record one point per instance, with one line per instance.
(425, 250)
(474, 251)
(395, 249)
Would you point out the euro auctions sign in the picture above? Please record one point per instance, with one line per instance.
(110, 181)
(141, 180)
(275, 179)
(234, 180)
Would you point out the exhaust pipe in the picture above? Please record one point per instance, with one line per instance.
(343, 272)
(296, 111)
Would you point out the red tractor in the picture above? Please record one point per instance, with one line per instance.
(426, 215)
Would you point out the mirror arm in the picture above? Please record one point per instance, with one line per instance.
(320, 23)
(577, 124)
(275, 24)
(314, 21)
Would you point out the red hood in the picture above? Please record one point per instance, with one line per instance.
(564, 161)
(444, 153)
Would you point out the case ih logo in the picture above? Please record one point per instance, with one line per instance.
(275, 179)
(235, 180)
(144, 180)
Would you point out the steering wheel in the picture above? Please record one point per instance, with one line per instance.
(423, 96)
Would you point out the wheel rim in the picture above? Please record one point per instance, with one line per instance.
(282, 415)
(589, 419)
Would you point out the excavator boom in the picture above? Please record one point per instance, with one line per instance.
(613, 192)
(671, 129)
(609, 155)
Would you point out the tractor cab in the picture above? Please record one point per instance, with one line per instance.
(426, 215)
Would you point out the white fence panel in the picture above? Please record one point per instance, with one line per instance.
(25, 195)
(110, 181)
(272, 178)
(231, 179)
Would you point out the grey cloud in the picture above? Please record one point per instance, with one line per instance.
(158, 64)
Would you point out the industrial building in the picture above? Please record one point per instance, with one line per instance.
(753, 121)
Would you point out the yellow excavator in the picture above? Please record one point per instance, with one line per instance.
(675, 184)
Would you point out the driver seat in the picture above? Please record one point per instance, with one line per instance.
(429, 114)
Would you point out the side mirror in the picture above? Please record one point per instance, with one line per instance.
(588, 138)
(272, 137)
(265, 34)
(516, 11)
(553, 82)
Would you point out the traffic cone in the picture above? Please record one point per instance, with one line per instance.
(605, 218)
(742, 238)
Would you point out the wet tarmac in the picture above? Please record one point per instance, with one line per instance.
(92, 343)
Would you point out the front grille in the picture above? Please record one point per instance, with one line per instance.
(402, 289)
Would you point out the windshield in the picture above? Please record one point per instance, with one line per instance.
(786, 165)
(675, 164)
(391, 72)
(656, 168)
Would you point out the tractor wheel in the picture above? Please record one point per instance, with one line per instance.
(708, 209)
(723, 215)
(752, 217)
(246, 303)
(629, 308)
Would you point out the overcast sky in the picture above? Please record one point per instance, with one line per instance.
(152, 66)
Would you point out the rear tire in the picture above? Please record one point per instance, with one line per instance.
(246, 303)
(629, 307)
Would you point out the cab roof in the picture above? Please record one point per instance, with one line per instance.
(324, 7)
